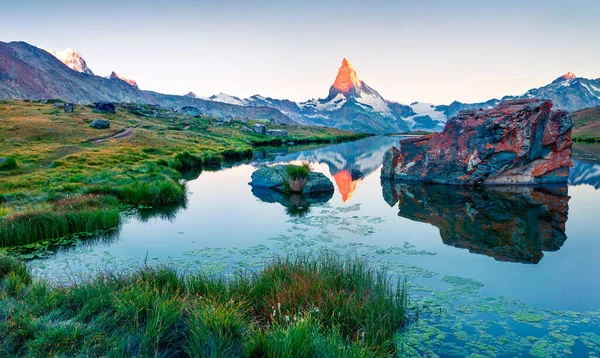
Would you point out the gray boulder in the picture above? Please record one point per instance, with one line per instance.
(277, 132)
(259, 128)
(274, 178)
(100, 124)
(190, 111)
(58, 105)
(104, 107)
(69, 107)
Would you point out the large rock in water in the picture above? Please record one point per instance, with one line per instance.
(274, 178)
(518, 142)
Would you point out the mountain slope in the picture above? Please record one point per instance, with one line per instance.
(27, 72)
(73, 60)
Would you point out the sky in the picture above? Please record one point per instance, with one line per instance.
(418, 50)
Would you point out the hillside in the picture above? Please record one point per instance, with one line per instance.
(586, 125)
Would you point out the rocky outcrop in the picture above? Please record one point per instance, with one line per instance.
(276, 176)
(69, 107)
(259, 128)
(508, 223)
(104, 107)
(518, 142)
(100, 124)
(114, 76)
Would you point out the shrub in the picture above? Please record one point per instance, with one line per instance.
(8, 163)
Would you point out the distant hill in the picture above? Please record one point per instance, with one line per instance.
(586, 125)
(28, 72)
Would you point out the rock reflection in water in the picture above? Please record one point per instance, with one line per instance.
(296, 205)
(512, 224)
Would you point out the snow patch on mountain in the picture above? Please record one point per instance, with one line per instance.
(225, 98)
(73, 60)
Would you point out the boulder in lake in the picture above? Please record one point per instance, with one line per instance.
(100, 124)
(519, 142)
(104, 107)
(259, 128)
(276, 176)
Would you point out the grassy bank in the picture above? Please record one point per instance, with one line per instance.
(54, 156)
(303, 307)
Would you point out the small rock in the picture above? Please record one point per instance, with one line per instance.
(245, 129)
(100, 124)
(58, 105)
(277, 132)
(104, 107)
(356, 174)
(227, 119)
(259, 128)
(274, 178)
(190, 111)
(69, 107)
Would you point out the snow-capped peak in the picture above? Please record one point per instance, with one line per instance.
(346, 78)
(73, 60)
(114, 76)
(569, 76)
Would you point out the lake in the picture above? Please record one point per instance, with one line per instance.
(508, 271)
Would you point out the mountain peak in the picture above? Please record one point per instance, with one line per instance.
(114, 76)
(346, 78)
(568, 76)
(73, 60)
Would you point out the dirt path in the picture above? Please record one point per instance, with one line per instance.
(125, 133)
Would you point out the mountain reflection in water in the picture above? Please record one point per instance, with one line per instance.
(514, 224)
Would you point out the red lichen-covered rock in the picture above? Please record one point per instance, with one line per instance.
(518, 142)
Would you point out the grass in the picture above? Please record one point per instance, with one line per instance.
(58, 158)
(8, 164)
(586, 125)
(306, 306)
(297, 177)
(86, 213)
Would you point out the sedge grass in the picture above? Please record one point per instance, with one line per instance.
(304, 306)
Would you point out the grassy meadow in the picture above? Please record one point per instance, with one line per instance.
(303, 306)
(62, 177)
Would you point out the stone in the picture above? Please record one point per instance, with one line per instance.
(259, 128)
(226, 119)
(356, 174)
(190, 111)
(100, 124)
(104, 107)
(518, 142)
(69, 107)
(58, 105)
(245, 129)
(274, 178)
(277, 132)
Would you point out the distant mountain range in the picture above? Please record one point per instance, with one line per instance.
(27, 72)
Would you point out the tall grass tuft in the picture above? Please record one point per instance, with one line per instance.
(305, 306)
(85, 213)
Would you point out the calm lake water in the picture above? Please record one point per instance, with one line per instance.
(497, 272)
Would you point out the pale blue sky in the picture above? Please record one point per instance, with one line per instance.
(429, 51)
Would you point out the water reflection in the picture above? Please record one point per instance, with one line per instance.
(296, 204)
(584, 172)
(514, 224)
(348, 162)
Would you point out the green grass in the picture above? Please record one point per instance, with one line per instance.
(298, 171)
(8, 164)
(58, 158)
(60, 218)
(306, 306)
